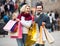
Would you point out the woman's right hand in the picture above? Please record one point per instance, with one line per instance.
(17, 20)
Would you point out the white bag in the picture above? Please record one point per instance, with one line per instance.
(9, 25)
(41, 38)
(49, 36)
(43, 35)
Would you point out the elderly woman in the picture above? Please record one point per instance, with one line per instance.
(26, 20)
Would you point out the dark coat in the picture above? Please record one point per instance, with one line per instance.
(43, 18)
(2, 32)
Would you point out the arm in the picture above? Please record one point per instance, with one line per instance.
(48, 25)
(36, 19)
(23, 22)
(18, 18)
(27, 24)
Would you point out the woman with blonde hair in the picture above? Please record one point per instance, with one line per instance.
(26, 20)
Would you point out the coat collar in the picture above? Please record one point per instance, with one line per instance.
(38, 14)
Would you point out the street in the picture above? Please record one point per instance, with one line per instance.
(7, 41)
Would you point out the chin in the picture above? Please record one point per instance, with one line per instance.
(27, 12)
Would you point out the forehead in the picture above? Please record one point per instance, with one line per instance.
(39, 6)
(27, 6)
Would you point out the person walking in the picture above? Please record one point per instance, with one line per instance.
(26, 20)
(41, 19)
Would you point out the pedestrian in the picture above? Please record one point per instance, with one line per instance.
(11, 3)
(56, 14)
(2, 10)
(53, 19)
(41, 19)
(23, 3)
(7, 7)
(26, 20)
(56, 17)
(6, 18)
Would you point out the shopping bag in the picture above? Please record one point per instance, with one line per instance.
(41, 39)
(34, 32)
(18, 33)
(41, 36)
(49, 36)
(9, 25)
(20, 30)
(31, 37)
(15, 27)
(14, 34)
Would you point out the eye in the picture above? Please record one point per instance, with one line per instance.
(27, 8)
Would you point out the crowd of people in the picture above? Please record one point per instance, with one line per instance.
(9, 7)
(22, 12)
(53, 15)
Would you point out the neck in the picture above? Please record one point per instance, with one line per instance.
(38, 14)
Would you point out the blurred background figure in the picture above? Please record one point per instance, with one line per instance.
(57, 20)
(23, 2)
(2, 10)
(6, 18)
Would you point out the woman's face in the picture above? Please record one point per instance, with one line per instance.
(27, 10)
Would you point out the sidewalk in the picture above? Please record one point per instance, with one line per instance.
(12, 42)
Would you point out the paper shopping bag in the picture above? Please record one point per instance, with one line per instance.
(41, 38)
(15, 27)
(9, 25)
(49, 36)
(20, 30)
(34, 32)
(14, 34)
(41, 41)
(17, 34)
(43, 35)
(31, 37)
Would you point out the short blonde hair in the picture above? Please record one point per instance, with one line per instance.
(23, 8)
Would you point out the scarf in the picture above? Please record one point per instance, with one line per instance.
(26, 15)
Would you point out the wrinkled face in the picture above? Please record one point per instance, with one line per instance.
(39, 9)
(27, 10)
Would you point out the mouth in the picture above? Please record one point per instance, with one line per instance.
(39, 10)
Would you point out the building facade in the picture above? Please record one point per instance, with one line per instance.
(49, 5)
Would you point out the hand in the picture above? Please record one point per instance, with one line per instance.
(17, 20)
(33, 22)
(43, 23)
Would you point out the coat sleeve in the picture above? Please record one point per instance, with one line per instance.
(48, 25)
(26, 23)
(19, 17)
(36, 20)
